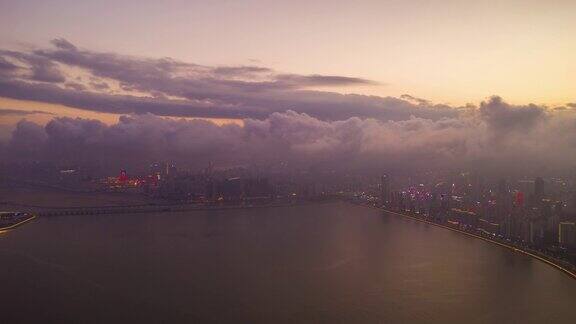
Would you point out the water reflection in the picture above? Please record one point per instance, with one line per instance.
(316, 263)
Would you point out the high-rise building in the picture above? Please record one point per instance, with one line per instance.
(519, 199)
(155, 169)
(572, 202)
(554, 221)
(503, 201)
(385, 190)
(567, 234)
(123, 176)
(502, 187)
(169, 170)
(537, 232)
(538, 189)
(527, 187)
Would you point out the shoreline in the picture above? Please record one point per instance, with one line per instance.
(13, 226)
(182, 208)
(510, 247)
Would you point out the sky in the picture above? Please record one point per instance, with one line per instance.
(446, 51)
(434, 79)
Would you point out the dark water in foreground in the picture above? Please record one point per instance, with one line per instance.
(332, 263)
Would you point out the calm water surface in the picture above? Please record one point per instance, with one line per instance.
(326, 263)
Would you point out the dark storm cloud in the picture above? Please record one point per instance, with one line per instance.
(185, 89)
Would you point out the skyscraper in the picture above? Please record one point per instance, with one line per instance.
(123, 175)
(538, 189)
(502, 187)
(385, 189)
(567, 234)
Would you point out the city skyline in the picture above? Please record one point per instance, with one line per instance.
(287, 161)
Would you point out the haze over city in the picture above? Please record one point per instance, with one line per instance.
(288, 161)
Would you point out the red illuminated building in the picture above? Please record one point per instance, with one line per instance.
(123, 177)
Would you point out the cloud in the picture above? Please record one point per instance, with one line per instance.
(63, 44)
(31, 67)
(17, 112)
(285, 118)
(167, 87)
(75, 86)
(300, 139)
(47, 73)
(241, 70)
(28, 140)
(100, 85)
(121, 104)
(6, 66)
(319, 80)
(502, 116)
(416, 100)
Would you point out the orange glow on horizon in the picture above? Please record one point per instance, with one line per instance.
(56, 110)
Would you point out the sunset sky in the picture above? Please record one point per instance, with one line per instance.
(450, 77)
(453, 52)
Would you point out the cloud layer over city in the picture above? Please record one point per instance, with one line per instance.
(284, 118)
(496, 135)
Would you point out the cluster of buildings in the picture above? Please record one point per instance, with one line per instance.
(212, 186)
(536, 213)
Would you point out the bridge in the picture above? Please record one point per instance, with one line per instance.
(44, 211)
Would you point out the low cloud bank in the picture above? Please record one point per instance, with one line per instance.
(496, 134)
